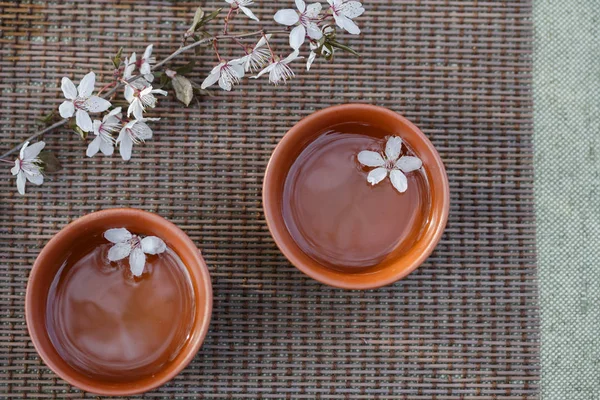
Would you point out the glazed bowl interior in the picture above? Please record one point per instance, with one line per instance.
(307, 130)
(53, 255)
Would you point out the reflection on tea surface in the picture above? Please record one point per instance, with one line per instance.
(112, 326)
(339, 219)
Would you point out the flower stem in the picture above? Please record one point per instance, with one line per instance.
(227, 18)
(120, 85)
(269, 47)
(6, 161)
(106, 87)
(216, 47)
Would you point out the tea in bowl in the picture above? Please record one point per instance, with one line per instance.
(356, 196)
(118, 302)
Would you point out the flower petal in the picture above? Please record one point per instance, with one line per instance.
(86, 86)
(33, 150)
(125, 145)
(153, 245)
(66, 109)
(352, 9)
(94, 146)
(376, 176)
(238, 69)
(136, 109)
(117, 235)
(347, 24)
(370, 159)
(129, 91)
(301, 5)
(130, 66)
(311, 59)
(15, 170)
(137, 261)
(408, 163)
(84, 121)
(97, 104)
(399, 180)
(212, 78)
(313, 30)
(21, 182)
(119, 251)
(291, 57)
(113, 112)
(142, 130)
(148, 52)
(313, 10)
(393, 147)
(106, 148)
(248, 13)
(287, 17)
(36, 179)
(297, 37)
(68, 88)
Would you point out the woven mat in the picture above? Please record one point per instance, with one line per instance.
(464, 325)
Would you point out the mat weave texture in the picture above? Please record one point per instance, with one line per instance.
(464, 325)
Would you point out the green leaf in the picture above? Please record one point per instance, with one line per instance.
(211, 16)
(343, 47)
(198, 16)
(50, 162)
(116, 60)
(183, 89)
(185, 69)
(78, 131)
(48, 118)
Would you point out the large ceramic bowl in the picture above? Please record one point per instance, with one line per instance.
(290, 147)
(46, 267)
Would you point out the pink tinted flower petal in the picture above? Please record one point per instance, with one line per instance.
(376, 176)
(153, 245)
(137, 261)
(399, 180)
(370, 159)
(119, 251)
(117, 235)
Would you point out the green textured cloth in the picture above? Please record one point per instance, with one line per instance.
(567, 186)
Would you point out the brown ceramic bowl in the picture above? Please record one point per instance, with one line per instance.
(305, 131)
(46, 267)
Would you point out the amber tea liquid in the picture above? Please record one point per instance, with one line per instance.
(339, 219)
(112, 326)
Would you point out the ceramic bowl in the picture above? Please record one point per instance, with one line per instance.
(46, 267)
(290, 147)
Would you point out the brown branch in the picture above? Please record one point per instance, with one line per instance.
(173, 55)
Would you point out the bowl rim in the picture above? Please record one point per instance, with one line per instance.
(104, 388)
(295, 135)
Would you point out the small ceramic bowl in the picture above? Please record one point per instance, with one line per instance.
(290, 147)
(46, 267)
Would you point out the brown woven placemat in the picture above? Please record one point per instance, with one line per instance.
(464, 325)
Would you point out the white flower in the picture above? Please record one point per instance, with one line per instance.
(134, 132)
(344, 11)
(141, 95)
(279, 71)
(258, 57)
(243, 5)
(80, 101)
(305, 17)
(145, 64)
(28, 166)
(127, 244)
(104, 140)
(311, 56)
(227, 74)
(390, 163)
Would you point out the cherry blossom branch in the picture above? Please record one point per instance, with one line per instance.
(119, 85)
